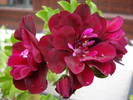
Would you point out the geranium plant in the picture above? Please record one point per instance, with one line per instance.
(79, 44)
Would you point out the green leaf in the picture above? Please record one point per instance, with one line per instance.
(131, 97)
(52, 77)
(7, 50)
(6, 86)
(4, 78)
(13, 40)
(23, 96)
(48, 97)
(45, 15)
(93, 7)
(65, 5)
(74, 5)
(42, 14)
(3, 59)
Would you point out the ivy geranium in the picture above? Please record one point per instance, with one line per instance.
(79, 43)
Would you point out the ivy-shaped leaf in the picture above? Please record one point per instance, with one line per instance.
(23, 96)
(131, 97)
(65, 5)
(74, 5)
(52, 77)
(93, 7)
(69, 6)
(45, 15)
(13, 40)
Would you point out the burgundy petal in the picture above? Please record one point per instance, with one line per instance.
(21, 71)
(18, 48)
(72, 20)
(20, 84)
(64, 36)
(63, 87)
(37, 83)
(26, 23)
(120, 44)
(74, 64)
(115, 24)
(86, 77)
(55, 60)
(55, 20)
(75, 82)
(83, 11)
(31, 43)
(114, 35)
(17, 34)
(16, 60)
(105, 68)
(105, 52)
(45, 44)
(97, 23)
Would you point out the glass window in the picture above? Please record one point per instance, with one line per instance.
(16, 3)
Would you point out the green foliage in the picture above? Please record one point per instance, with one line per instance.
(69, 6)
(48, 97)
(45, 15)
(13, 40)
(52, 77)
(24, 96)
(6, 81)
(131, 97)
(93, 7)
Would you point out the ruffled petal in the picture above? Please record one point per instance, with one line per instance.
(21, 71)
(83, 11)
(105, 52)
(115, 24)
(75, 82)
(37, 83)
(16, 60)
(86, 77)
(26, 23)
(97, 23)
(55, 20)
(45, 44)
(62, 37)
(31, 43)
(72, 20)
(105, 68)
(120, 44)
(18, 48)
(63, 87)
(74, 64)
(20, 84)
(55, 60)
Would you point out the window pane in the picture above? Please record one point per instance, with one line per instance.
(16, 3)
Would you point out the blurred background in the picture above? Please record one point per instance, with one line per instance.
(11, 11)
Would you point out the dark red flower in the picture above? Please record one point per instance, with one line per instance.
(73, 37)
(83, 43)
(64, 87)
(28, 68)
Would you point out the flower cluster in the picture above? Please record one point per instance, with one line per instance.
(28, 68)
(82, 44)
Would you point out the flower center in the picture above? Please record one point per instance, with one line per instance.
(83, 44)
(25, 53)
(88, 33)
